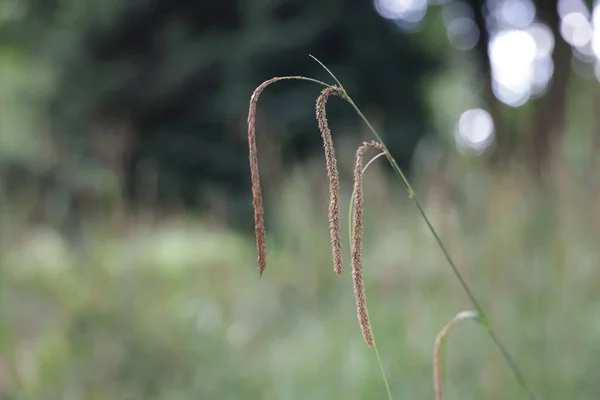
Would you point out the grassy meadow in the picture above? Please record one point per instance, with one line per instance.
(173, 308)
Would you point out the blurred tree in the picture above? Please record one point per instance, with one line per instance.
(164, 86)
(548, 111)
(549, 118)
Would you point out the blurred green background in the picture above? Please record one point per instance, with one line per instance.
(127, 259)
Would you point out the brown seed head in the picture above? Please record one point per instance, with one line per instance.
(332, 173)
(259, 221)
(357, 233)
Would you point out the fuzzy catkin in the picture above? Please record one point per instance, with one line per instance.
(257, 202)
(332, 174)
(357, 235)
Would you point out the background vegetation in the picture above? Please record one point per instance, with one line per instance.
(127, 262)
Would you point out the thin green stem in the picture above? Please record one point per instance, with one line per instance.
(372, 160)
(329, 72)
(302, 78)
(385, 381)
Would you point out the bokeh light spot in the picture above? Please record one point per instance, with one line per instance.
(475, 130)
(576, 29)
(411, 11)
(463, 33)
(512, 54)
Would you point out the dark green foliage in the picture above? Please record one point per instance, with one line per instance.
(179, 75)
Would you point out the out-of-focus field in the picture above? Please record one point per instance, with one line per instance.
(175, 310)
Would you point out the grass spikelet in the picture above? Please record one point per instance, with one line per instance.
(332, 174)
(439, 347)
(356, 239)
(257, 202)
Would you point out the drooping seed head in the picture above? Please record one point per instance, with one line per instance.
(357, 234)
(257, 203)
(332, 174)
